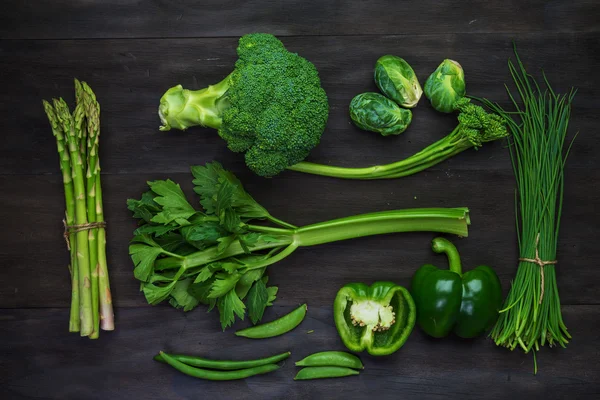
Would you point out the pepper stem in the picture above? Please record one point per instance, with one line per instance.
(441, 245)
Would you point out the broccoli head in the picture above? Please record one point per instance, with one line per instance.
(271, 107)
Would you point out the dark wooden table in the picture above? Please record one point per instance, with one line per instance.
(131, 51)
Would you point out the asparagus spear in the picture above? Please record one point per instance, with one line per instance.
(93, 116)
(65, 167)
(85, 100)
(71, 125)
(107, 320)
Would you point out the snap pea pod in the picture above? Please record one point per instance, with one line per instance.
(276, 327)
(224, 365)
(217, 375)
(324, 372)
(332, 359)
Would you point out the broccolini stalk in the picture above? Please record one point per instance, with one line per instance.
(218, 256)
(475, 127)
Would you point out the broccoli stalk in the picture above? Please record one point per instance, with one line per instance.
(181, 108)
(271, 107)
(475, 127)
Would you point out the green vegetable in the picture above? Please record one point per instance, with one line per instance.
(324, 372)
(475, 127)
(532, 316)
(271, 107)
(397, 80)
(275, 328)
(224, 365)
(450, 300)
(77, 140)
(377, 318)
(376, 113)
(218, 255)
(217, 375)
(331, 358)
(446, 86)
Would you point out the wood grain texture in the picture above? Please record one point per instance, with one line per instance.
(131, 51)
(68, 19)
(42, 361)
(130, 76)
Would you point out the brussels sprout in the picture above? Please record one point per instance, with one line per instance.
(376, 113)
(397, 80)
(446, 86)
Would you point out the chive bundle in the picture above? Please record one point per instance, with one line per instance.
(532, 316)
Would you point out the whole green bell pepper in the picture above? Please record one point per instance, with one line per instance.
(377, 318)
(448, 300)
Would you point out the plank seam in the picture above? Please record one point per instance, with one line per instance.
(558, 32)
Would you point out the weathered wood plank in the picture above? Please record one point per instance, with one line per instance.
(39, 359)
(129, 77)
(68, 19)
(34, 255)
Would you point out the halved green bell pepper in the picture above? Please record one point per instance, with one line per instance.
(448, 300)
(377, 318)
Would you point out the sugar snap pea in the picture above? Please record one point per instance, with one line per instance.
(217, 375)
(331, 358)
(324, 372)
(276, 327)
(224, 365)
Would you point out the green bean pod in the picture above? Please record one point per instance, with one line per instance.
(224, 365)
(332, 359)
(276, 327)
(324, 372)
(217, 375)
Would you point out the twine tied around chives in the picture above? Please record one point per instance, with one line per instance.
(69, 229)
(537, 260)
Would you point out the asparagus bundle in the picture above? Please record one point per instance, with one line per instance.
(77, 139)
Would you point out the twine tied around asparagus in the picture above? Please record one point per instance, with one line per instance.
(537, 260)
(69, 229)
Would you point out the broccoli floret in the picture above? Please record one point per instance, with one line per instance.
(477, 125)
(271, 107)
